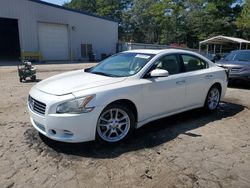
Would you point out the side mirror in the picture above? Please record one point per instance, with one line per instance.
(159, 73)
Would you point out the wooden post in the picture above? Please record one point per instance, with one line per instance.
(214, 48)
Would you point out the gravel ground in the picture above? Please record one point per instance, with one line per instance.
(192, 149)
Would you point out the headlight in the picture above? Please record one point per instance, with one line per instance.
(75, 106)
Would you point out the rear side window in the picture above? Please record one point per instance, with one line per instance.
(192, 63)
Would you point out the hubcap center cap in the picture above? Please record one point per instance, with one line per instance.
(113, 124)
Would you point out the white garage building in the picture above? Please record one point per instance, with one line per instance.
(52, 32)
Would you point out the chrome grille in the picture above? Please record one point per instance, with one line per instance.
(234, 70)
(37, 106)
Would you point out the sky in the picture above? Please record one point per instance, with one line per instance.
(57, 2)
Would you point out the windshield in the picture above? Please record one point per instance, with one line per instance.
(122, 64)
(230, 57)
(238, 56)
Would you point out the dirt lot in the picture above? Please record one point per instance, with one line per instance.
(192, 149)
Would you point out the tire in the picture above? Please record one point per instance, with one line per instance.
(212, 99)
(20, 79)
(33, 78)
(115, 128)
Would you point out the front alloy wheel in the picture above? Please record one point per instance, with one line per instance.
(115, 123)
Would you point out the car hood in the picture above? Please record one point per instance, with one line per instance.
(73, 81)
(230, 64)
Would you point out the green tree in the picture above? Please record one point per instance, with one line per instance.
(108, 8)
(83, 5)
(210, 18)
(243, 21)
(172, 21)
(143, 21)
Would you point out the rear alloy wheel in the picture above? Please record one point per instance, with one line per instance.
(213, 99)
(115, 123)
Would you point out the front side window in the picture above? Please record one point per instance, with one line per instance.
(192, 63)
(169, 63)
(122, 65)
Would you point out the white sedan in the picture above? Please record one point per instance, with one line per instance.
(124, 92)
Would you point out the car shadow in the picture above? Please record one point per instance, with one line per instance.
(151, 135)
(241, 84)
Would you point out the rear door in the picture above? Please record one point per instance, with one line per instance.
(198, 79)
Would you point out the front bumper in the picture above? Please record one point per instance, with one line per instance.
(236, 73)
(64, 127)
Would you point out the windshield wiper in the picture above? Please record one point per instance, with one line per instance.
(104, 74)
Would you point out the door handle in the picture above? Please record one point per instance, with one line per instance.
(180, 82)
(208, 76)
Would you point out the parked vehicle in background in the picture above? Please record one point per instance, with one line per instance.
(238, 62)
(124, 92)
(26, 70)
(224, 55)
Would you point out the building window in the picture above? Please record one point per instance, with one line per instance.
(86, 49)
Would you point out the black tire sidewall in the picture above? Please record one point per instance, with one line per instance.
(131, 117)
(33, 78)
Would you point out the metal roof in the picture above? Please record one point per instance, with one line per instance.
(223, 40)
(72, 10)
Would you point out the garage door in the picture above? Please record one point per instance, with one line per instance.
(53, 41)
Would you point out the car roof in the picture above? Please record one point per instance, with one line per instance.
(153, 51)
(240, 51)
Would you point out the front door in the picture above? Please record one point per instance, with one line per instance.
(162, 95)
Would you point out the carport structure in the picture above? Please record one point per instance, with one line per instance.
(223, 40)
